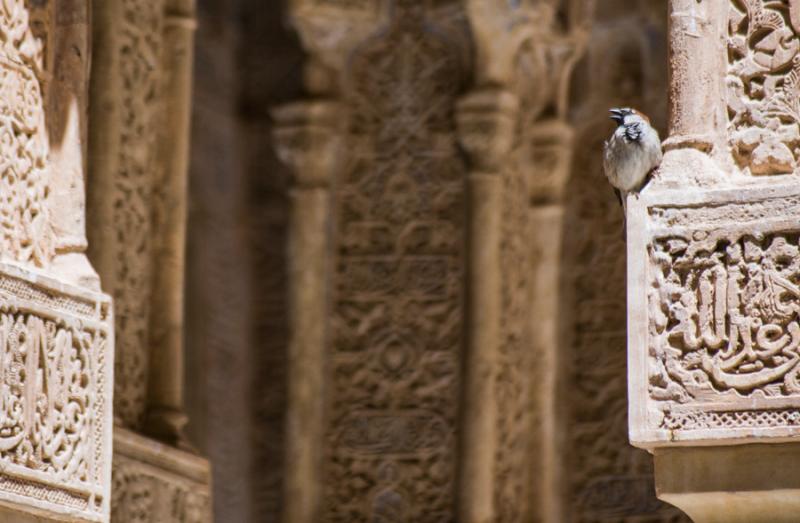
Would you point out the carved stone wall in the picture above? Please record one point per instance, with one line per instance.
(56, 331)
(398, 292)
(605, 478)
(56, 423)
(153, 482)
(379, 189)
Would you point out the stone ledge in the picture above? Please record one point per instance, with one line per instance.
(732, 484)
(174, 484)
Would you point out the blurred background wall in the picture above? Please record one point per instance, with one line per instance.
(249, 60)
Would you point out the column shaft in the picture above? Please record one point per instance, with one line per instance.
(308, 246)
(479, 405)
(165, 409)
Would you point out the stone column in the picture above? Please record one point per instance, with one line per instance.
(512, 127)
(165, 408)
(306, 136)
(56, 328)
(550, 159)
(713, 295)
(486, 131)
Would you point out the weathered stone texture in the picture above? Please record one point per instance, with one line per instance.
(712, 266)
(56, 332)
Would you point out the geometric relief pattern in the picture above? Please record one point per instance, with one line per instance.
(139, 51)
(763, 84)
(394, 360)
(26, 234)
(724, 328)
(53, 410)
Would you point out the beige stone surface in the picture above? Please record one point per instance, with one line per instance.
(713, 295)
(158, 483)
(734, 484)
(718, 314)
(57, 356)
(57, 338)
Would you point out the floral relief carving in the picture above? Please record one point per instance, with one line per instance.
(27, 234)
(763, 84)
(398, 298)
(139, 46)
(53, 411)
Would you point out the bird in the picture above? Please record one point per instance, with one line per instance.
(631, 154)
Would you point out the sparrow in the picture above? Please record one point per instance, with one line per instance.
(632, 152)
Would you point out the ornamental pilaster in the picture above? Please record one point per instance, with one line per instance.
(513, 127)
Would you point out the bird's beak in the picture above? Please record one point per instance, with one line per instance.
(617, 116)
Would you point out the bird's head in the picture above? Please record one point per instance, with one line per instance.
(627, 115)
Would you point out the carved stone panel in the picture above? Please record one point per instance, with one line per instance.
(125, 165)
(56, 356)
(719, 316)
(394, 369)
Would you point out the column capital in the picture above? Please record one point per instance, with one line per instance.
(548, 146)
(308, 139)
(486, 127)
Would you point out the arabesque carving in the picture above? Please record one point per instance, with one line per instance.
(397, 294)
(138, 51)
(27, 233)
(723, 319)
(764, 85)
(724, 313)
(55, 345)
